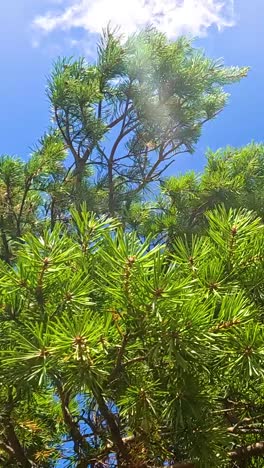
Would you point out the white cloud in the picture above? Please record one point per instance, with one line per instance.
(174, 17)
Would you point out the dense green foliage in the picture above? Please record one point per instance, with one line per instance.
(159, 352)
(134, 340)
(232, 176)
(128, 115)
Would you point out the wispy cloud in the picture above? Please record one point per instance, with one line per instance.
(174, 17)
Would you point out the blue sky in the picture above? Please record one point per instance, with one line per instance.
(34, 32)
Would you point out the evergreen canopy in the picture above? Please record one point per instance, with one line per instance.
(139, 105)
(131, 331)
(151, 355)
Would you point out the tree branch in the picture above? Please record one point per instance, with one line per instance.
(15, 445)
(113, 426)
(23, 201)
(134, 360)
(245, 430)
(248, 451)
(7, 448)
(79, 440)
(6, 253)
(66, 137)
(121, 135)
(121, 117)
(119, 357)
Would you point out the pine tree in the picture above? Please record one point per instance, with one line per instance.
(134, 340)
(232, 177)
(115, 352)
(129, 114)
